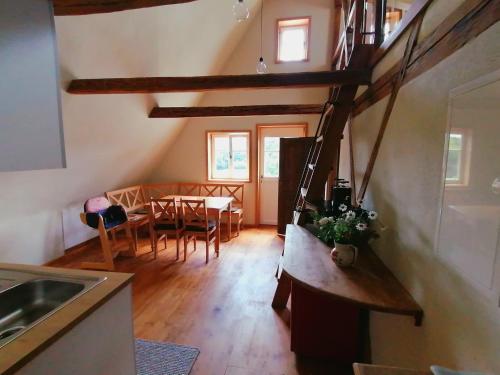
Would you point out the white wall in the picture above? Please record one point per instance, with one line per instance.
(186, 159)
(110, 142)
(461, 327)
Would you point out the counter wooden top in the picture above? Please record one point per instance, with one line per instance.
(362, 369)
(369, 284)
(22, 349)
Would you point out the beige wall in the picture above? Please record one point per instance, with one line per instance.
(461, 327)
(186, 159)
(110, 142)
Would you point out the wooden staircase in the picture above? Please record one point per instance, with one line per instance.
(353, 52)
(324, 151)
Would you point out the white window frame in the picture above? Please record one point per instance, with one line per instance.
(465, 155)
(211, 152)
(295, 22)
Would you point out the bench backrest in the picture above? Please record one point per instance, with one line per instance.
(214, 190)
(159, 191)
(130, 198)
(189, 188)
(135, 197)
(235, 191)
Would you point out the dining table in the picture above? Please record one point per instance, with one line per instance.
(215, 207)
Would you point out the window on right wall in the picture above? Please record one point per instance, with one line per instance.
(458, 162)
(293, 36)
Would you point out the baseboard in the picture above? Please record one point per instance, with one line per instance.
(90, 243)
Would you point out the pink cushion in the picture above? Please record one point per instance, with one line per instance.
(96, 204)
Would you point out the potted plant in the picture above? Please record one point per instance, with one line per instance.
(346, 233)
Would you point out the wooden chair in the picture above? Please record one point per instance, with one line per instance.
(236, 192)
(132, 199)
(195, 217)
(101, 215)
(163, 221)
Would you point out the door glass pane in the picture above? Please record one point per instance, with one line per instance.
(271, 156)
(272, 144)
(221, 157)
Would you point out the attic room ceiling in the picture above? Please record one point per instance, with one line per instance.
(82, 7)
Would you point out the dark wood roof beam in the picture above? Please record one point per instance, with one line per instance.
(236, 111)
(83, 7)
(227, 82)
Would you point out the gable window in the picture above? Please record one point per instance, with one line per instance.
(457, 168)
(293, 36)
(228, 156)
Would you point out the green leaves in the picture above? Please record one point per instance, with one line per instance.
(348, 228)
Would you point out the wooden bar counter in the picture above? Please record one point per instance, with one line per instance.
(329, 302)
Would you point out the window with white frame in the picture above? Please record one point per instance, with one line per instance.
(228, 156)
(293, 35)
(457, 166)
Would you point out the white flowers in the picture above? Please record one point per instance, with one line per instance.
(323, 221)
(342, 207)
(361, 227)
(350, 215)
(372, 215)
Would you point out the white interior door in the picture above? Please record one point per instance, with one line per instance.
(269, 151)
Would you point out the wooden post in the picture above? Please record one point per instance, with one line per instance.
(412, 39)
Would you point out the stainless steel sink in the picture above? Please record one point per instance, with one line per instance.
(28, 298)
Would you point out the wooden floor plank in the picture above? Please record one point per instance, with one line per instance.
(223, 307)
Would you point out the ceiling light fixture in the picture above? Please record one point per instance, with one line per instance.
(240, 11)
(261, 65)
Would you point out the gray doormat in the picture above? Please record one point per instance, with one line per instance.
(163, 358)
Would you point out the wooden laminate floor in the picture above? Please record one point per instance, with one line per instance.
(223, 308)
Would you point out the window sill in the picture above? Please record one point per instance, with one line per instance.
(222, 181)
(290, 62)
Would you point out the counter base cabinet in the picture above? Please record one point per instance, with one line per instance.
(101, 344)
(323, 327)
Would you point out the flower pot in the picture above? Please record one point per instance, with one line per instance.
(344, 255)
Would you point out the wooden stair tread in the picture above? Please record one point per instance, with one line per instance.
(369, 284)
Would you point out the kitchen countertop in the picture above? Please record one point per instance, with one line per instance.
(21, 350)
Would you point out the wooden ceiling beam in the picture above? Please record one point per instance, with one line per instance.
(236, 111)
(208, 83)
(82, 7)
